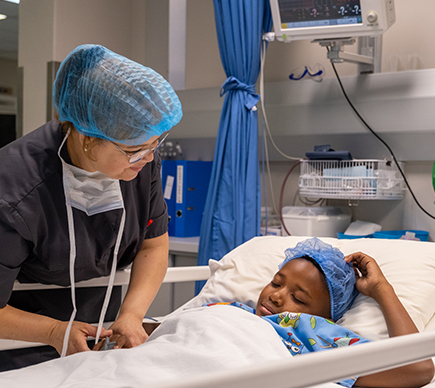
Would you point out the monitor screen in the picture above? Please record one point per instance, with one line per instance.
(319, 13)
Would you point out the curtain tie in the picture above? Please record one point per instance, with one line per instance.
(232, 83)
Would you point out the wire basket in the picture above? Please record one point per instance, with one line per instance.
(351, 179)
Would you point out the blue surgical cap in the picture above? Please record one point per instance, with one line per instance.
(108, 96)
(340, 276)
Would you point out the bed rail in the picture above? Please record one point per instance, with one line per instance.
(329, 366)
(122, 277)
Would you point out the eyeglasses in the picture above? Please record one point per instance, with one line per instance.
(134, 158)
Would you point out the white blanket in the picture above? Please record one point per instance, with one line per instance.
(196, 341)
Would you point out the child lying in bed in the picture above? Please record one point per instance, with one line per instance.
(314, 287)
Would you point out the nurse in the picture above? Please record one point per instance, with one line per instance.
(81, 197)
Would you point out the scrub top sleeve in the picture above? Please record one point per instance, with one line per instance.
(15, 248)
(158, 222)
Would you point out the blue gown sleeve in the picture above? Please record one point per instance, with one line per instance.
(305, 333)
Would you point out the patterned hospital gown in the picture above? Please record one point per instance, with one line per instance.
(304, 333)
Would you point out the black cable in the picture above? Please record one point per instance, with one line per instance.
(307, 202)
(380, 139)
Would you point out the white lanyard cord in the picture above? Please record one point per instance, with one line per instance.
(112, 276)
(72, 259)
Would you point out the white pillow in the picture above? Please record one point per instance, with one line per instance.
(408, 265)
(410, 268)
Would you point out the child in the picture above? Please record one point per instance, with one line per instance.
(316, 285)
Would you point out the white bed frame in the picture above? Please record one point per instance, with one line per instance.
(330, 366)
(122, 278)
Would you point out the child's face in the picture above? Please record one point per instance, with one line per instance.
(299, 287)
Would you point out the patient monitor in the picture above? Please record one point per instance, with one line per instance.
(334, 24)
(330, 19)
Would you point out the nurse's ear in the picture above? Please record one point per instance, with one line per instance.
(88, 143)
(81, 143)
(85, 142)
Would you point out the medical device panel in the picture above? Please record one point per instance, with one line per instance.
(326, 19)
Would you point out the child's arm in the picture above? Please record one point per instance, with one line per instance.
(372, 283)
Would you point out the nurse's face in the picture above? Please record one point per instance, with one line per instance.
(112, 159)
(299, 287)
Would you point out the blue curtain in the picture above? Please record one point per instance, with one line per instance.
(232, 209)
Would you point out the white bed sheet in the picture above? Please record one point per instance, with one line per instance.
(200, 340)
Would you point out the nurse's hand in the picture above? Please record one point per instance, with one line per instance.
(80, 332)
(128, 332)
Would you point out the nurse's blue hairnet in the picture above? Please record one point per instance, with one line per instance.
(340, 276)
(108, 96)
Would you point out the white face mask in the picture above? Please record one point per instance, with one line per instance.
(92, 193)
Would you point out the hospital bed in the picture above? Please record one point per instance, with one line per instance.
(240, 275)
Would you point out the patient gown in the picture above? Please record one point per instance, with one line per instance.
(305, 333)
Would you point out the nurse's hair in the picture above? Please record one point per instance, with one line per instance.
(108, 96)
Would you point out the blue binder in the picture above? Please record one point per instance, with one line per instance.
(186, 198)
(193, 178)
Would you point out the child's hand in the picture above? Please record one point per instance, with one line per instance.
(371, 280)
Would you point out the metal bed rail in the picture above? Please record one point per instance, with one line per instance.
(322, 367)
(122, 277)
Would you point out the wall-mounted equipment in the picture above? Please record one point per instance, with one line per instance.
(334, 24)
(327, 19)
(351, 179)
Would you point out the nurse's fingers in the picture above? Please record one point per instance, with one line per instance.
(122, 342)
(78, 345)
(92, 331)
(78, 338)
(99, 345)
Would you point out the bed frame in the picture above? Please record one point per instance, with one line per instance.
(122, 278)
(330, 366)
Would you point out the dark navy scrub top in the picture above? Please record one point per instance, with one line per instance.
(34, 240)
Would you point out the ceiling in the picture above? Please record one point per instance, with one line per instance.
(9, 31)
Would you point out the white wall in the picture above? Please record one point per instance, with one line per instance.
(35, 49)
(420, 178)
(50, 29)
(105, 22)
(203, 62)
